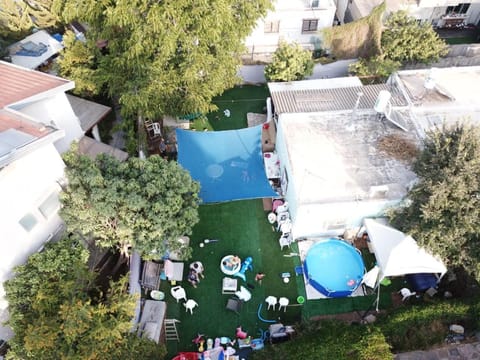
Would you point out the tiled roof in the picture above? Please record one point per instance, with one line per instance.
(9, 120)
(337, 99)
(18, 83)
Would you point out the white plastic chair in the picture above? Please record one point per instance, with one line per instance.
(282, 208)
(285, 241)
(243, 294)
(406, 293)
(271, 301)
(189, 305)
(286, 227)
(178, 293)
(283, 301)
(153, 128)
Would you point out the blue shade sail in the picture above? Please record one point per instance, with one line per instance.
(227, 164)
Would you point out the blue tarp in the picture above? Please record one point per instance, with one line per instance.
(228, 164)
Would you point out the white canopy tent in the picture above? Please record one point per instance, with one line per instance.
(397, 254)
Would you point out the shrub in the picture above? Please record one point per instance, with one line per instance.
(290, 62)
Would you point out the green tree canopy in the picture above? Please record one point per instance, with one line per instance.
(374, 68)
(57, 313)
(18, 17)
(144, 205)
(443, 211)
(166, 57)
(78, 63)
(407, 41)
(290, 62)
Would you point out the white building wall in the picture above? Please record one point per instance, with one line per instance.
(341, 6)
(24, 186)
(434, 3)
(333, 219)
(426, 10)
(285, 166)
(290, 15)
(56, 110)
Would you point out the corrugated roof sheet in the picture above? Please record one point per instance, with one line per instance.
(92, 148)
(40, 39)
(89, 113)
(316, 100)
(17, 83)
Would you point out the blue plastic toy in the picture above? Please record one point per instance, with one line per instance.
(247, 265)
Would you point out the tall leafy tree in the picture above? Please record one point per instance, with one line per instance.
(145, 205)
(20, 16)
(78, 63)
(290, 62)
(407, 41)
(443, 211)
(57, 313)
(166, 57)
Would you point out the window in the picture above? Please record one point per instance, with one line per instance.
(459, 9)
(28, 222)
(271, 27)
(310, 25)
(315, 3)
(50, 205)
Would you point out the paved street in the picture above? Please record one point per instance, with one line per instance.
(450, 352)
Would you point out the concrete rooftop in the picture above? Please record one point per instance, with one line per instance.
(337, 158)
(442, 95)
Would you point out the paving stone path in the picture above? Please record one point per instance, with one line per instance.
(450, 352)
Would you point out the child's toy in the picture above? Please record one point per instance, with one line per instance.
(247, 265)
(209, 344)
(241, 334)
(198, 339)
(201, 348)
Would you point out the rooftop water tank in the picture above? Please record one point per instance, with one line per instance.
(383, 98)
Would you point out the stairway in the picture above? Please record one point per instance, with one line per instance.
(171, 332)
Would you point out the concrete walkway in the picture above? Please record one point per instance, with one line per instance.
(450, 352)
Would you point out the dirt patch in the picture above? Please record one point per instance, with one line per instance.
(398, 147)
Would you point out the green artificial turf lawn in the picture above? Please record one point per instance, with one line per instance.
(460, 40)
(240, 100)
(241, 228)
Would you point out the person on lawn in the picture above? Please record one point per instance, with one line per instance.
(193, 278)
(198, 267)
